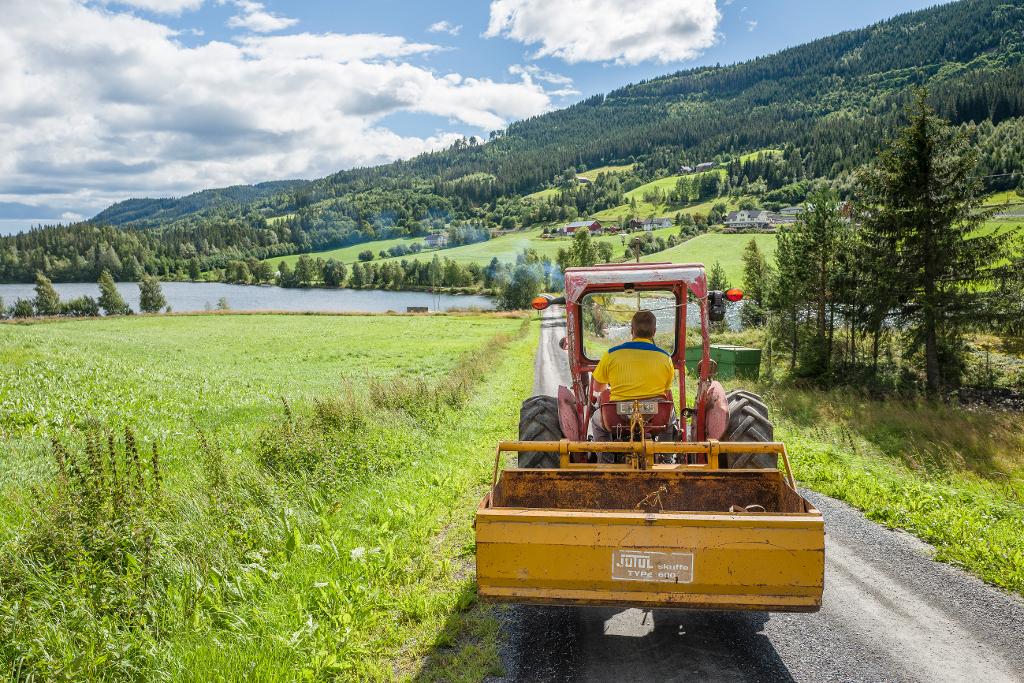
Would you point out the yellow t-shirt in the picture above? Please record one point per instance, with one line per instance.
(636, 369)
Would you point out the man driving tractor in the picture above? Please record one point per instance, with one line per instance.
(637, 369)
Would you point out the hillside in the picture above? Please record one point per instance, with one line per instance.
(825, 107)
(155, 212)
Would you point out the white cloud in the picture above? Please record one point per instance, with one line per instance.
(751, 24)
(532, 72)
(608, 30)
(332, 46)
(444, 27)
(101, 105)
(256, 18)
(160, 6)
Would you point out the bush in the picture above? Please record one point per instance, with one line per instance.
(366, 255)
(83, 306)
(23, 308)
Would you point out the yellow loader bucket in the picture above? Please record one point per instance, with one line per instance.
(650, 535)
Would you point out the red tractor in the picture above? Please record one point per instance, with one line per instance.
(595, 295)
(690, 511)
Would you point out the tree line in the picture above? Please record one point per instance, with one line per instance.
(47, 301)
(911, 272)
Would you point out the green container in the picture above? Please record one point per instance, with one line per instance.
(733, 361)
(693, 356)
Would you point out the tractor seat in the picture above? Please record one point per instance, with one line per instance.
(616, 420)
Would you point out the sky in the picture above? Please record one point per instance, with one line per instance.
(103, 100)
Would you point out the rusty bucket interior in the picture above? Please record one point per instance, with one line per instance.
(753, 491)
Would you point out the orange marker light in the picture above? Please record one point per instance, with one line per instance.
(734, 294)
(539, 303)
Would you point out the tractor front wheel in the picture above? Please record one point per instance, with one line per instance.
(748, 421)
(538, 421)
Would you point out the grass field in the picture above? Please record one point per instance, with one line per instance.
(594, 172)
(646, 209)
(507, 247)
(590, 175)
(1009, 197)
(350, 254)
(711, 247)
(325, 540)
(952, 477)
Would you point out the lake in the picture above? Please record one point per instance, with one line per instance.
(198, 296)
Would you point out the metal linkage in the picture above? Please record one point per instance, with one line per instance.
(645, 450)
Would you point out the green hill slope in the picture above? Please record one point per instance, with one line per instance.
(712, 247)
(827, 105)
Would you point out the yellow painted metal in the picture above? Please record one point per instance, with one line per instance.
(706, 559)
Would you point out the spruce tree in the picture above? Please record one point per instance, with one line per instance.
(110, 299)
(717, 279)
(47, 300)
(151, 297)
(755, 284)
(921, 201)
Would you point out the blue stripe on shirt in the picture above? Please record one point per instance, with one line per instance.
(639, 346)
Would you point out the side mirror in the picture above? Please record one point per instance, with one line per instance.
(541, 302)
(716, 306)
(564, 343)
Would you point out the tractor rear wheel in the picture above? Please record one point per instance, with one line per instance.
(538, 421)
(748, 421)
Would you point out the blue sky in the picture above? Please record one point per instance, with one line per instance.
(108, 99)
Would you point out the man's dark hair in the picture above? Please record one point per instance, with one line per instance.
(644, 324)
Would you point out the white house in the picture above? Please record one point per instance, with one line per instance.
(749, 219)
(436, 240)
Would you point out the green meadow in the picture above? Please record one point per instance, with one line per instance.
(307, 512)
(711, 247)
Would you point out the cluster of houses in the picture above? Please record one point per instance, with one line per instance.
(596, 228)
(759, 219)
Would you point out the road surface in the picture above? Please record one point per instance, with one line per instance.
(889, 613)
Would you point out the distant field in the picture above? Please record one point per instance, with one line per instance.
(646, 209)
(594, 172)
(277, 219)
(591, 175)
(507, 247)
(711, 247)
(1003, 198)
(753, 155)
(350, 254)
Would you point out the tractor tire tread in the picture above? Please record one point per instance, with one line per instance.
(748, 421)
(538, 421)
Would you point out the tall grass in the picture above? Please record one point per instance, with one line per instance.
(953, 477)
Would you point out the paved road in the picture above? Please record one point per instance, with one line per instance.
(889, 613)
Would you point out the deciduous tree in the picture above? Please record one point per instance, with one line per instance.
(47, 301)
(110, 299)
(151, 297)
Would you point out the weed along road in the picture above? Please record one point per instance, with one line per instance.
(889, 613)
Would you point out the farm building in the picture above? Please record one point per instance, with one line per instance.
(593, 226)
(706, 166)
(655, 223)
(436, 240)
(583, 180)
